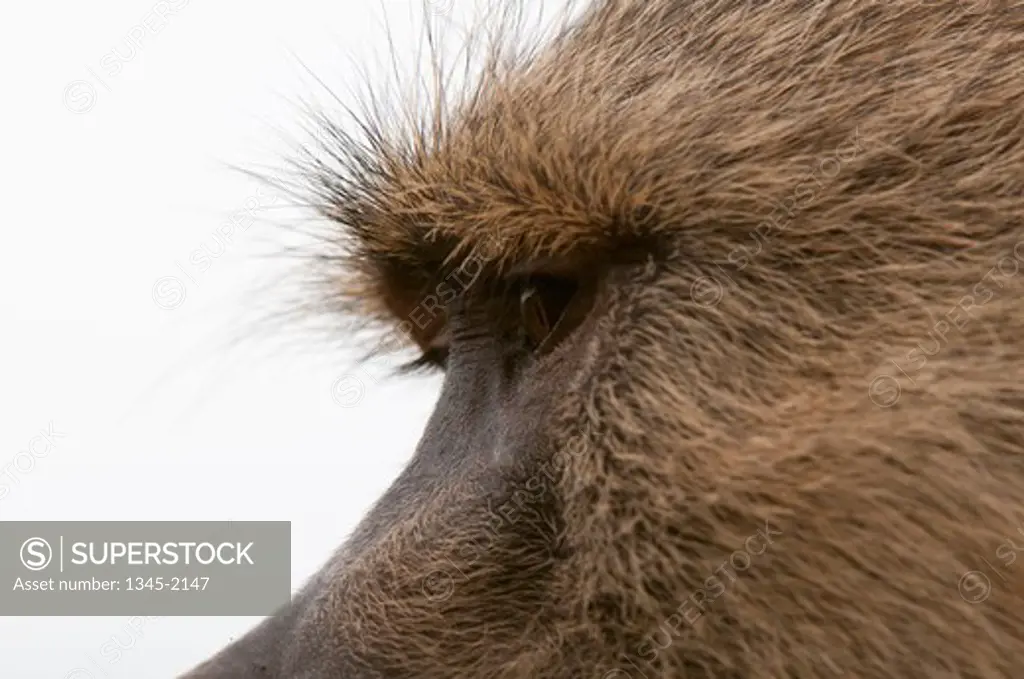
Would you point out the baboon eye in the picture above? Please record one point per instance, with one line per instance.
(549, 308)
(534, 315)
(543, 305)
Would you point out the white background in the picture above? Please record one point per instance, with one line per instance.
(110, 183)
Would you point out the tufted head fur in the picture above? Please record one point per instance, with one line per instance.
(785, 435)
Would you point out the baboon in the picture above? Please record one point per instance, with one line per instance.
(727, 296)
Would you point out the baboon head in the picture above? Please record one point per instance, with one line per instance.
(727, 296)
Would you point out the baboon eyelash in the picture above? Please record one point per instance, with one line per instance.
(434, 358)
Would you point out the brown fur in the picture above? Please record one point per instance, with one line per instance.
(826, 345)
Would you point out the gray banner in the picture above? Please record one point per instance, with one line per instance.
(151, 568)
